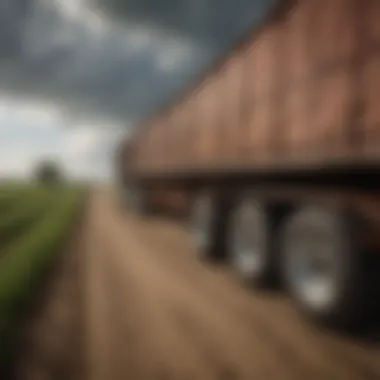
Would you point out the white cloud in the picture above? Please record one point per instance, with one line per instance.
(15, 164)
(87, 152)
(138, 38)
(20, 158)
(83, 142)
(84, 150)
(15, 112)
(175, 55)
(72, 9)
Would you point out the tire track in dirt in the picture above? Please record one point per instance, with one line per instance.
(353, 360)
(238, 328)
(97, 338)
(161, 353)
(355, 357)
(216, 337)
(211, 315)
(115, 342)
(286, 349)
(170, 350)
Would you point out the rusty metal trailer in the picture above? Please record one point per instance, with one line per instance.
(275, 157)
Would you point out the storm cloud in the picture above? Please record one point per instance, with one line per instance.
(121, 60)
(213, 23)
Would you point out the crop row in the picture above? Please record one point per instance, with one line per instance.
(20, 216)
(24, 261)
(11, 199)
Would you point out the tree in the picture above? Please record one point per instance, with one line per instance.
(48, 173)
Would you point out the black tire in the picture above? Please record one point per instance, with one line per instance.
(324, 267)
(137, 202)
(208, 224)
(123, 198)
(250, 242)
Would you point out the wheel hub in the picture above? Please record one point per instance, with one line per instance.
(313, 269)
(247, 240)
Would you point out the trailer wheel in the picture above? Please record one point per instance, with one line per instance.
(201, 221)
(208, 224)
(249, 242)
(122, 198)
(138, 202)
(323, 266)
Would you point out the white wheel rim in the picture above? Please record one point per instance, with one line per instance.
(201, 222)
(248, 239)
(313, 267)
(134, 199)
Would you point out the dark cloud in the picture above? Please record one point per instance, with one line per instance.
(211, 22)
(13, 14)
(121, 70)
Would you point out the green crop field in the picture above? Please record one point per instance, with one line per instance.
(34, 224)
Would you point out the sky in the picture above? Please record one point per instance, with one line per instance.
(75, 75)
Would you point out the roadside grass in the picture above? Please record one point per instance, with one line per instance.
(34, 240)
(22, 215)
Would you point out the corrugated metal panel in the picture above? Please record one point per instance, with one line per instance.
(372, 114)
(297, 123)
(260, 127)
(259, 112)
(142, 143)
(318, 107)
(160, 144)
(202, 126)
(189, 131)
(372, 82)
(297, 91)
(194, 129)
(297, 58)
(332, 114)
(174, 138)
(335, 37)
(232, 85)
(167, 138)
(207, 120)
(247, 103)
(151, 151)
(373, 19)
(219, 116)
(263, 64)
(181, 138)
(222, 112)
(196, 126)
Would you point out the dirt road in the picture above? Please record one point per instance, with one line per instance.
(132, 302)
